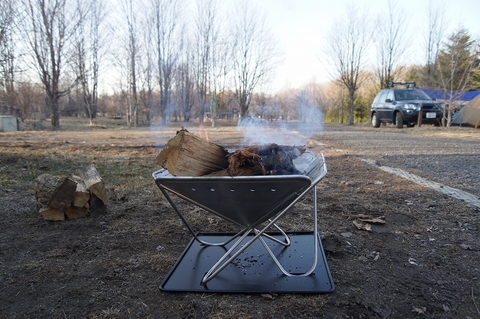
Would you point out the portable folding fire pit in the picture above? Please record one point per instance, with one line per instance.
(254, 259)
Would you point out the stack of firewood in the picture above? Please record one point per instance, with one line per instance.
(73, 196)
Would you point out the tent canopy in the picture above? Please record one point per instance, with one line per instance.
(459, 96)
(469, 114)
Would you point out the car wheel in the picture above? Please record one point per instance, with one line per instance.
(399, 120)
(375, 120)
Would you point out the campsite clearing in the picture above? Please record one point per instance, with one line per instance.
(423, 262)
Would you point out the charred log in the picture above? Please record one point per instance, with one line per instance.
(270, 159)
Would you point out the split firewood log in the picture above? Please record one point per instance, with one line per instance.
(97, 206)
(223, 172)
(55, 191)
(188, 155)
(94, 182)
(45, 186)
(75, 212)
(50, 213)
(82, 195)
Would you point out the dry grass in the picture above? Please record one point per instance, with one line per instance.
(111, 266)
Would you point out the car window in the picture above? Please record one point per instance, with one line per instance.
(390, 96)
(400, 95)
(381, 97)
(420, 95)
(406, 95)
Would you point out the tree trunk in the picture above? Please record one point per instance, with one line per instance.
(351, 118)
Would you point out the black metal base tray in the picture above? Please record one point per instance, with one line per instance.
(254, 270)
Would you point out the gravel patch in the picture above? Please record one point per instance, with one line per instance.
(446, 156)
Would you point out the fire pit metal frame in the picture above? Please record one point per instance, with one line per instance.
(240, 200)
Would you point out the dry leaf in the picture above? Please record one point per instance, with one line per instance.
(369, 218)
(372, 220)
(419, 310)
(362, 226)
(268, 296)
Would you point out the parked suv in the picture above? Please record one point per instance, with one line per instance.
(400, 102)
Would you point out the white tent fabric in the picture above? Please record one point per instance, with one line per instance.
(469, 114)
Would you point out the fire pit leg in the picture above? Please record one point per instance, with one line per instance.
(222, 263)
(286, 241)
(190, 228)
(315, 244)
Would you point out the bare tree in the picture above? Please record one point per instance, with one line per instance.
(255, 52)
(210, 57)
(391, 43)
(221, 69)
(347, 46)
(148, 64)
(436, 25)
(169, 35)
(7, 14)
(132, 48)
(48, 29)
(28, 100)
(185, 84)
(7, 54)
(88, 52)
(205, 42)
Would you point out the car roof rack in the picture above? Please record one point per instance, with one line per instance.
(409, 84)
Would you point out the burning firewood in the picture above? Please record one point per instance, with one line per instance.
(269, 159)
(188, 155)
(245, 162)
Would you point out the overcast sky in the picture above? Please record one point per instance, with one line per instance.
(302, 25)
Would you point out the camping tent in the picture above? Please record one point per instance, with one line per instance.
(455, 95)
(469, 114)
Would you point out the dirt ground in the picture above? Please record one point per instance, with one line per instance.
(424, 262)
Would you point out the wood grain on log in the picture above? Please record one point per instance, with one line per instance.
(45, 186)
(94, 182)
(64, 194)
(97, 206)
(53, 214)
(188, 155)
(82, 195)
(75, 212)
